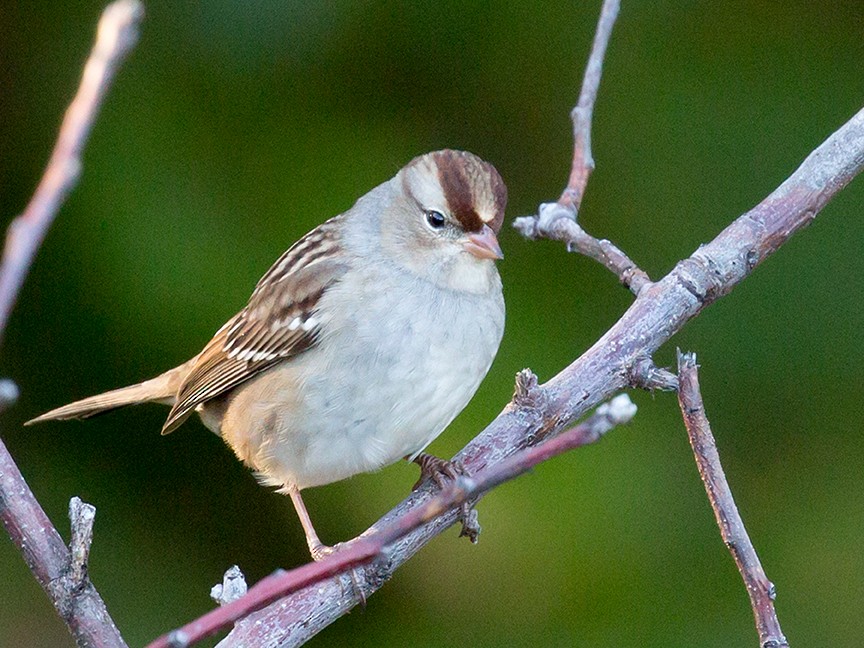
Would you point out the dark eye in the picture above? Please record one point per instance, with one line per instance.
(435, 219)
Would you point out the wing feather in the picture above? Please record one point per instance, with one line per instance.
(278, 323)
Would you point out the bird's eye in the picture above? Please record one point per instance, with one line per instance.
(435, 219)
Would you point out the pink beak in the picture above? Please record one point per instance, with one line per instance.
(484, 244)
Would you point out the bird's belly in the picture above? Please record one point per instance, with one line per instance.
(376, 399)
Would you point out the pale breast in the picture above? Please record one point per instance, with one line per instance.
(385, 379)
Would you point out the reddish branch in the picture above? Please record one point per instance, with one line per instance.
(759, 588)
(62, 574)
(374, 544)
(558, 220)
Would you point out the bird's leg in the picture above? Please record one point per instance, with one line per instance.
(441, 471)
(317, 548)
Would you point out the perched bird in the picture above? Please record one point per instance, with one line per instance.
(361, 343)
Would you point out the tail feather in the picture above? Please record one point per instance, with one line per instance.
(161, 389)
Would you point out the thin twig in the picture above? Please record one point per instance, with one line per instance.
(582, 114)
(759, 588)
(542, 411)
(644, 374)
(559, 220)
(62, 574)
(373, 545)
(116, 35)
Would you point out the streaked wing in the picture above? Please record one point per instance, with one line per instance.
(278, 322)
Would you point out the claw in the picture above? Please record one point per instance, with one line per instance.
(441, 472)
(438, 470)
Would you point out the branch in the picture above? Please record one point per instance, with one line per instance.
(558, 220)
(645, 374)
(375, 546)
(62, 574)
(543, 411)
(116, 35)
(583, 113)
(759, 588)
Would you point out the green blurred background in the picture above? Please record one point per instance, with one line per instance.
(236, 127)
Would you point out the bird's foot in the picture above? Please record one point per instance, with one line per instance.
(321, 551)
(442, 471)
(438, 470)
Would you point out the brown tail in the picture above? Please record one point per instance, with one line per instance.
(160, 389)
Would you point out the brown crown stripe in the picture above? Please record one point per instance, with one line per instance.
(453, 176)
(458, 173)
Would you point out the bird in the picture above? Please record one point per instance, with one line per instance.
(361, 343)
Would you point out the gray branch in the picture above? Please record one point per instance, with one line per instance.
(61, 573)
(543, 411)
(760, 590)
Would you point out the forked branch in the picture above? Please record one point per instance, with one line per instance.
(559, 220)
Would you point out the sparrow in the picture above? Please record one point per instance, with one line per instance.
(360, 345)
